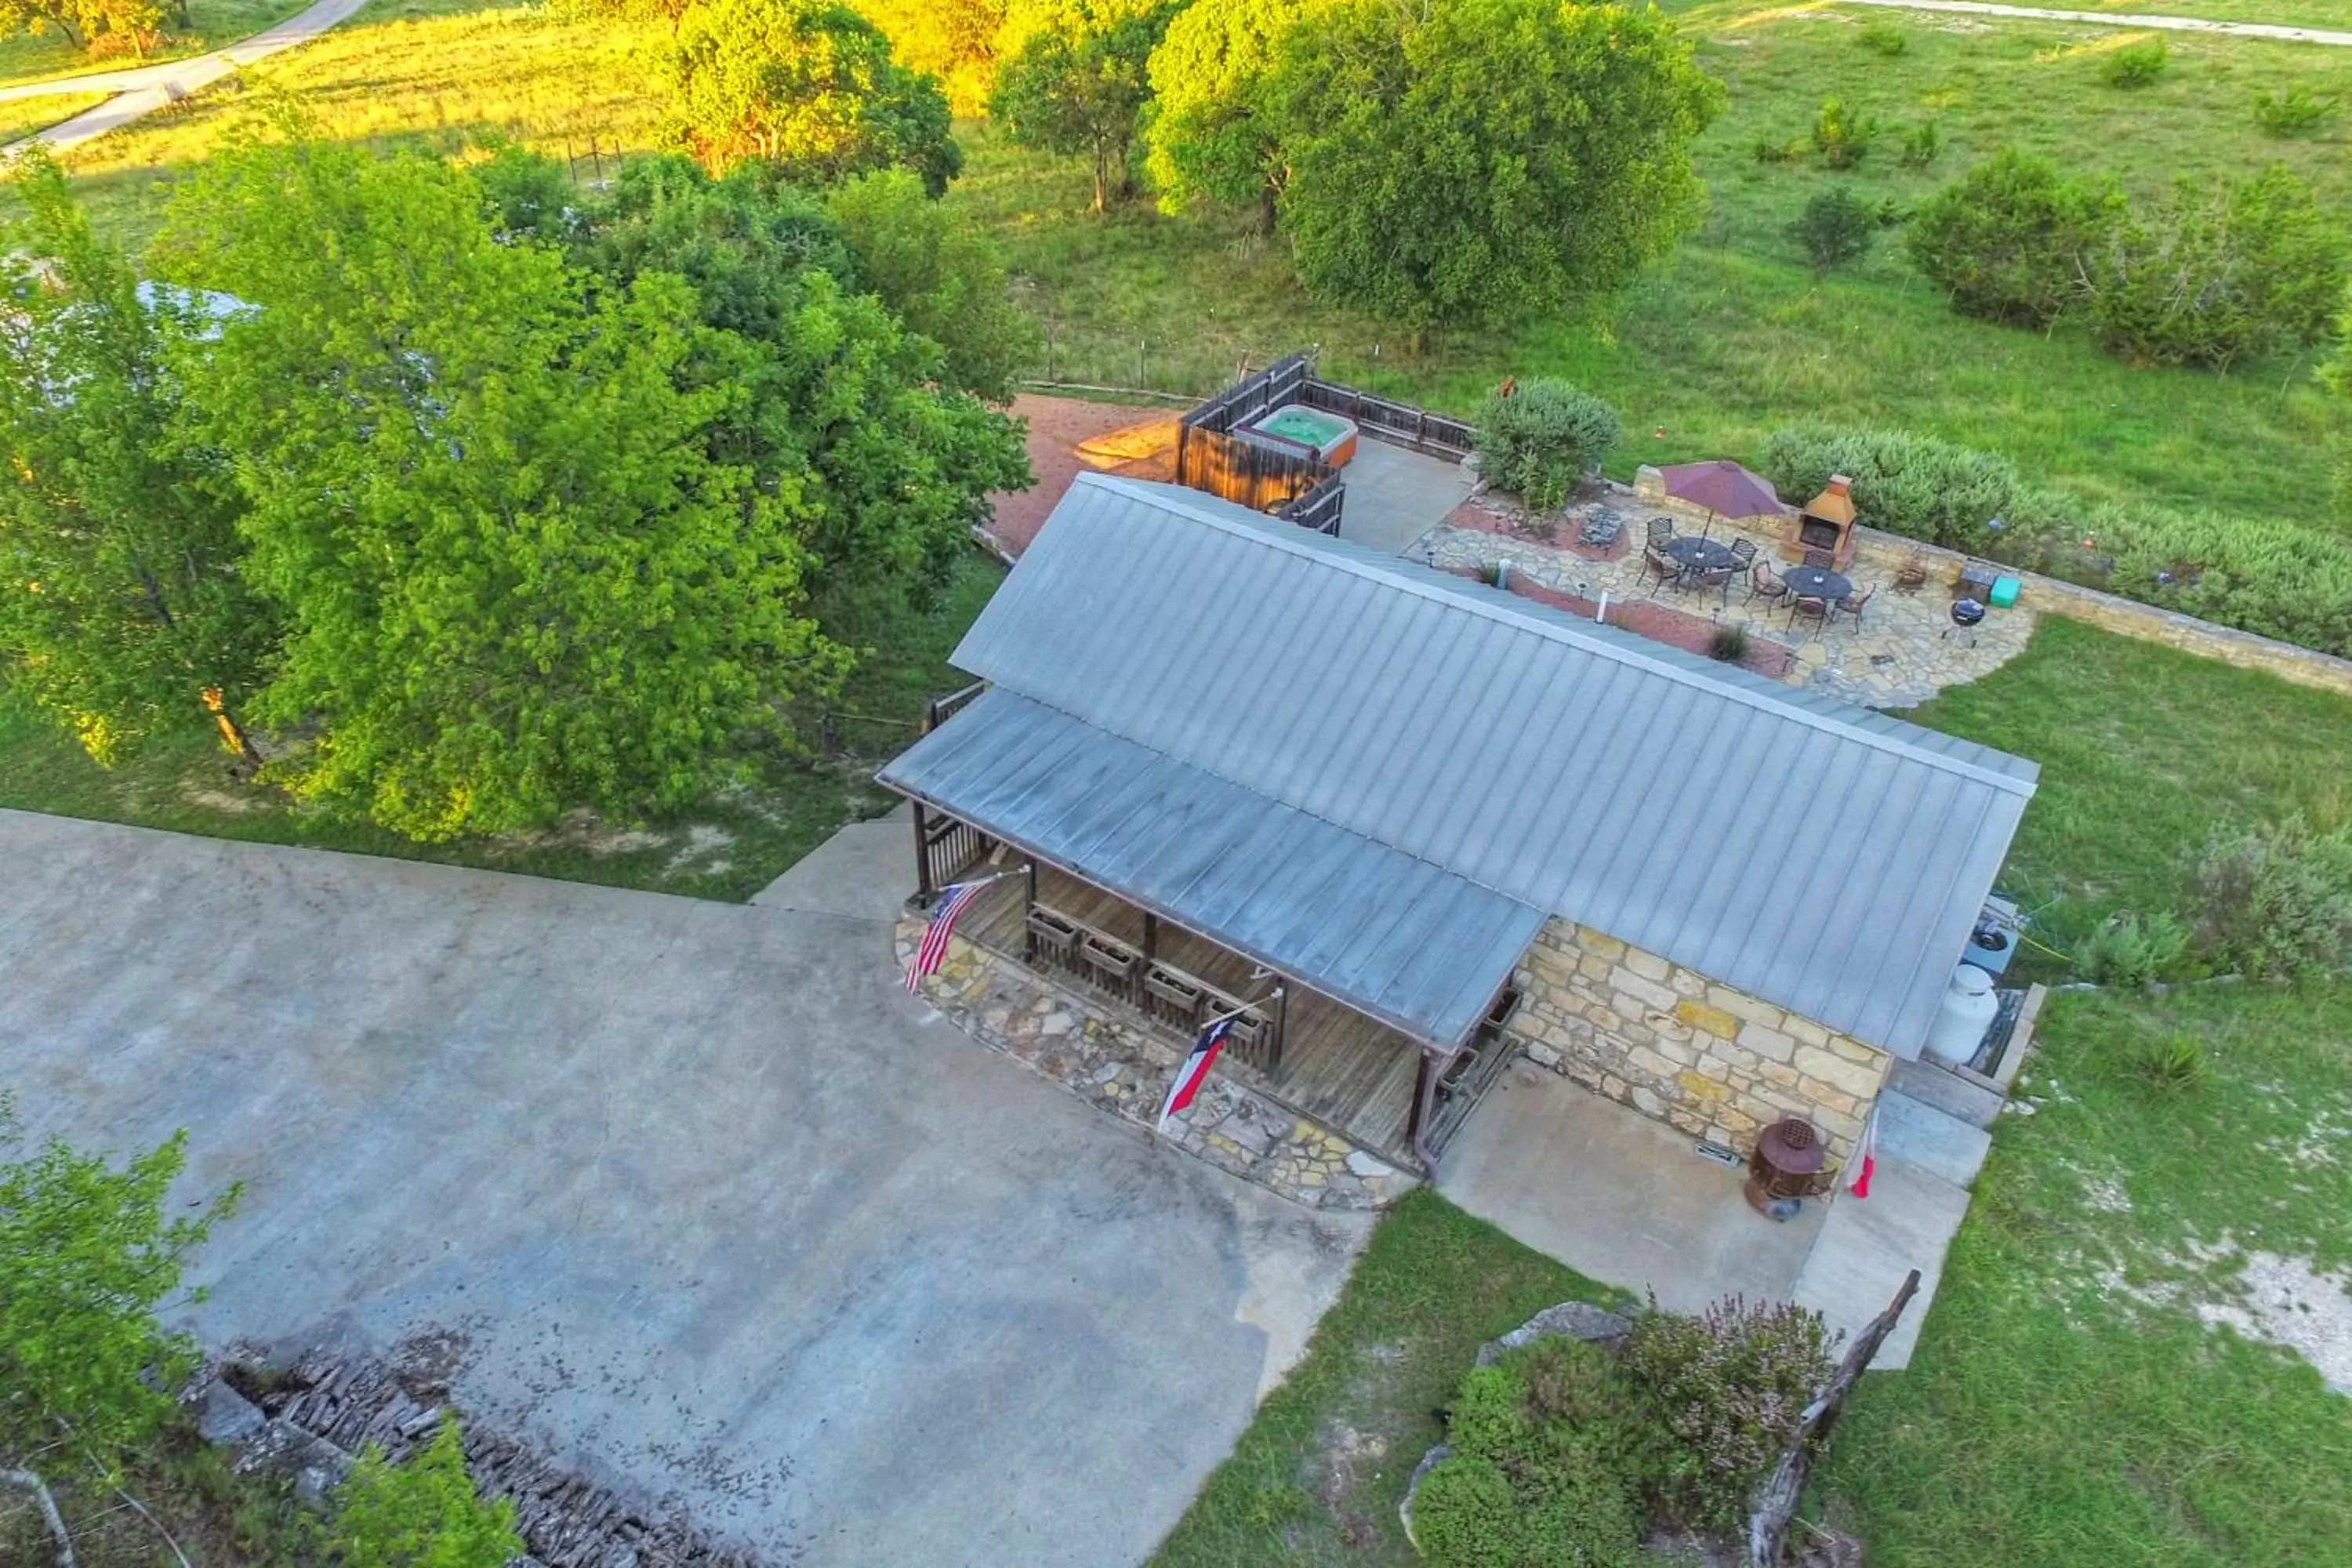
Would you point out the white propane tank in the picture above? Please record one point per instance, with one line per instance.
(1969, 1008)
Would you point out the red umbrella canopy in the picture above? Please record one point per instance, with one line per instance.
(1722, 487)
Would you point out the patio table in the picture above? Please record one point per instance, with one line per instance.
(1697, 554)
(1816, 583)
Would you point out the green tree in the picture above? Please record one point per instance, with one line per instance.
(84, 22)
(121, 596)
(2215, 274)
(954, 40)
(942, 277)
(1835, 227)
(1212, 136)
(1078, 87)
(1481, 160)
(422, 1513)
(517, 576)
(2006, 241)
(87, 1257)
(806, 84)
(887, 467)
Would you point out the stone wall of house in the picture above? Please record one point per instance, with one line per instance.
(1879, 551)
(1672, 1044)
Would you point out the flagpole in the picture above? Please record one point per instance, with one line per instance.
(1244, 1007)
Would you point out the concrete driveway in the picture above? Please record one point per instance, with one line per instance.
(719, 1214)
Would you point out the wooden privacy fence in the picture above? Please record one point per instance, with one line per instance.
(1400, 424)
(1247, 473)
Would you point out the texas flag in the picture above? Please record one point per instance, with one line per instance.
(1195, 1070)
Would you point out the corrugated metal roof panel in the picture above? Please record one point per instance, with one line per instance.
(1410, 943)
(1823, 856)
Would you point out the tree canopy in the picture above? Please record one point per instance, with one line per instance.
(516, 577)
(1079, 86)
(942, 277)
(121, 601)
(84, 22)
(808, 85)
(1481, 159)
(1214, 137)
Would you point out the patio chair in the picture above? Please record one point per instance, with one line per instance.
(1743, 553)
(1661, 530)
(1852, 603)
(1719, 579)
(1801, 608)
(1762, 584)
(1668, 569)
(1817, 556)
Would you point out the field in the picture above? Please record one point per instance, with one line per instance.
(729, 846)
(40, 57)
(23, 116)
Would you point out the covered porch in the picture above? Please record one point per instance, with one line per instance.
(1374, 1085)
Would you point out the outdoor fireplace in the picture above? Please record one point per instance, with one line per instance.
(1825, 523)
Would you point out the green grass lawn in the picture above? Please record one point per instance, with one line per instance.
(728, 846)
(2329, 14)
(2066, 1406)
(23, 116)
(1317, 1477)
(41, 56)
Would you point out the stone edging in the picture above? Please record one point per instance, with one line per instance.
(1568, 1319)
(1090, 1051)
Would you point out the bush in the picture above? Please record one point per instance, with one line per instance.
(2136, 64)
(422, 1514)
(2131, 950)
(1882, 39)
(1841, 136)
(2297, 111)
(1907, 484)
(1538, 1475)
(2277, 900)
(1541, 439)
(1835, 227)
(2005, 240)
(2217, 273)
(1921, 145)
(1770, 151)
(2175, 1063)
(1730, 1385)
(1728, 644)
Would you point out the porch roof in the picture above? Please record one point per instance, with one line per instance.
(1419, 948)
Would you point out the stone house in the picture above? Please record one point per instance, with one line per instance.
(1405, 827)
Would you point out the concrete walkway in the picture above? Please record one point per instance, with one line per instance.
(143, 90)
(718, 1213)
(2120, 19)
(1395, 496)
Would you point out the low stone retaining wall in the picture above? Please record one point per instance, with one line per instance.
(1091, 1051)
(2056, 596)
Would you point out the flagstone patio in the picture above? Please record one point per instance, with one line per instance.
(1903, 650)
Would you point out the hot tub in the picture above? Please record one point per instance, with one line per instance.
(1328, 435)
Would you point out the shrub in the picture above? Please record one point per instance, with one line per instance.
(1728, 644)
(1907, 484)
(1541, 439)
(1835, 227)
(2297, 111)
(2217, 273)
(1883, 37)
(2174, 1063)
(2131, 950)
(1841, 136)
(2136, 64)
(1469, 1514)
(1771, 151)
(1730, 1385)
(2277, 900)
(421, 1514)
(1921, 145)
(2005, 240)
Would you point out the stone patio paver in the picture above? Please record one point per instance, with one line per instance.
(1904, 650)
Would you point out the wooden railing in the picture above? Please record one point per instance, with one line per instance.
(1160, 992)
(1319, 509)
(940, 709)
(1399, 424)
(945, 849)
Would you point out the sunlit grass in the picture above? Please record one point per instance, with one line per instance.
(39, 56)
(23, 116)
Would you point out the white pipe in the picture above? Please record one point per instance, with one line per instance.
(1600, 615)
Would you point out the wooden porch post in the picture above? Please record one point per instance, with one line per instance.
(1424, 1099)
(1029, 907)
(1150, 938)
(923, 889)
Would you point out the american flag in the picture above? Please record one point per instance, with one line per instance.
(934, 945)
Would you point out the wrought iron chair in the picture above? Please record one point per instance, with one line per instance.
(1669, 570)
(1718, 578)
(1852, 603)
(1762, 584)
(1661, 530)
(1816, 556)
(1743, 554)
(1804, 606)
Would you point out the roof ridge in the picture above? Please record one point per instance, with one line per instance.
(1407, 576)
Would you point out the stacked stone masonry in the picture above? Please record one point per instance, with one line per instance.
(1714, 1062)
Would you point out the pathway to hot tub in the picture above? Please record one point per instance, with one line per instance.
(1902, 652)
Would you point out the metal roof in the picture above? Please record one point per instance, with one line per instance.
(1414, 946)
(1824, 858)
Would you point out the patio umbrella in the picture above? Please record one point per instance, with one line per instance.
(1723, 488)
